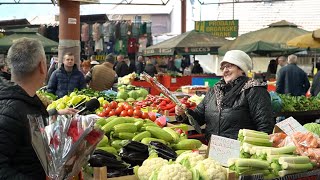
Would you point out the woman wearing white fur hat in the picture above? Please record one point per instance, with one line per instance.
(235, 102)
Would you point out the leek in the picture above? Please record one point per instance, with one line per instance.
(286, 172)
(281, 150)
(257, 141)
(255, 163)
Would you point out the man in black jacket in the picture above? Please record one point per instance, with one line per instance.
(121, 68)
(18, 160)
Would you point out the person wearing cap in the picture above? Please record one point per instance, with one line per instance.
(235, 102)
(292, 79)
(66, 78)
(102, 76)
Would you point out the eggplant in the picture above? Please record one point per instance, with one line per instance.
(163, 148)
(98, 160)
(164, 154)
(135, 146)
(132, 157)
(104, 153)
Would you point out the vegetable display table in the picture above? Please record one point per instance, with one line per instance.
(302, 117)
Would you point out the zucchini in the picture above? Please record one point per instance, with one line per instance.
(147, 140)
(159, 133)
(119, 120)
(109, 149)
(116, 144)
(187, 144)
(124, 135)
(125, 127)
(141, 135)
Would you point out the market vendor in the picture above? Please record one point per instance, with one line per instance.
(235, 102)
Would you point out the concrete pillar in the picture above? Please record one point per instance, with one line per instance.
(69, 30)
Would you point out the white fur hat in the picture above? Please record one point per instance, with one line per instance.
(238, 58)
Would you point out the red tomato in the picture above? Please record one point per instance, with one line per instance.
(113, 105)
(152, 117)
(102, 114)
(105, 105)
(119, 110)
(123, 113)
(137, 108)
(130, 112)
(145, 115)
(112, 113)
(107, 110)
(137, 113)
(127, 107)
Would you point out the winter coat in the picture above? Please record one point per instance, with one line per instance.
(150, 69)
(102, 77)
(61, 83)
(251, 110)
(292, 80)
(18, 160)
(122, 69)
(315, 88)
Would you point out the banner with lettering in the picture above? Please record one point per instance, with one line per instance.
(219, 28)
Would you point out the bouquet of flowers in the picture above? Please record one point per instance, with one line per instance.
(64, 146)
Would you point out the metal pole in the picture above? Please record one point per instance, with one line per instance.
(233, 10)
(183, 15)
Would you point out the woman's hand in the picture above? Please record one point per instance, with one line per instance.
(67, 111)
(180, 111)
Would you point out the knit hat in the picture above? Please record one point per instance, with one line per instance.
(238, 58)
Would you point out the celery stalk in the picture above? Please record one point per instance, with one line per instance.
(257, 141)
(253, 131)
(281, 150)
(252, 163)
(295, 159)
(271, 158)
(286, 172)
(256, 134)
(291, 166)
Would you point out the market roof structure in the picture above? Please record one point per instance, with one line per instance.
(49, 45)
(189, 43)
(267, 41)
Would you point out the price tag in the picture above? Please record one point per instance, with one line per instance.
(221, 149)
(72, 21)
(173, 80)
(290, 125)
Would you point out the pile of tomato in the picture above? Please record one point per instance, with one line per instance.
(125, 109)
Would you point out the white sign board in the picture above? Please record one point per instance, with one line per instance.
(290, 125)
(72, 20)
(221, 149)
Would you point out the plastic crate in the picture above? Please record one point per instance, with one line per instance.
(211, 81)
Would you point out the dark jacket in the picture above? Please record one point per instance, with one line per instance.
(5, 75)
(18, 159)
(315, 88)
(139, 67)
(292, 80)
(197, 69)
(122, 69)
(150, 69)
(251, 110)
(61, 83)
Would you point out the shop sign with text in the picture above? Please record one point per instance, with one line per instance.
(219, 28)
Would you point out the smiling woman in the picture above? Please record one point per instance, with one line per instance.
(235, 102)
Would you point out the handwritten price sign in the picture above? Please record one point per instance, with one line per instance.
(290, 125)
(221, 149)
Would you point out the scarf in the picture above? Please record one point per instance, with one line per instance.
(226, 93)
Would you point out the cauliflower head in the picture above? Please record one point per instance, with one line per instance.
(189, 159)
(150, 165)
(174, 172)
(210, 169)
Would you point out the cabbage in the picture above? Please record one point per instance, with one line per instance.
(313, 127)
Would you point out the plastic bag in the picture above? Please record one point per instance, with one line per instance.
(64, 146)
